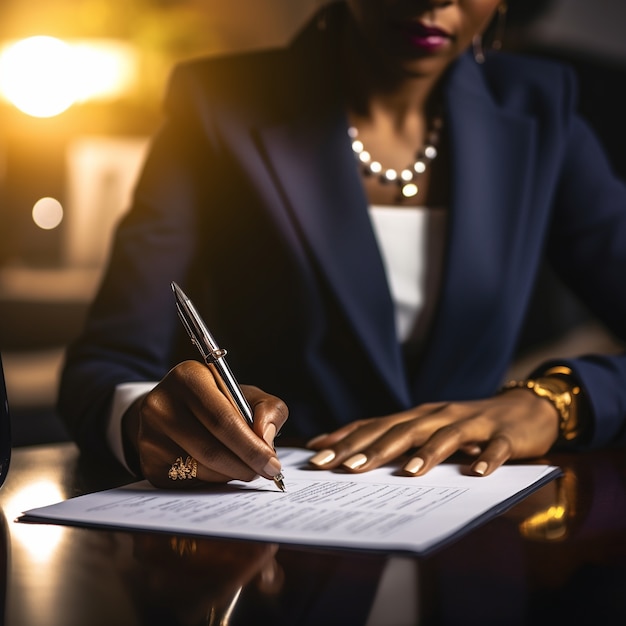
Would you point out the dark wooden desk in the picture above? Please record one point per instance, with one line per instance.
(559, 557)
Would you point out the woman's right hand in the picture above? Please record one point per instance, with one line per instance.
(186, 415)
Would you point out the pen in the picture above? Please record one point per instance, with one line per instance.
(214, 358)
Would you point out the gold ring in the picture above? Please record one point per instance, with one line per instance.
(182, 470)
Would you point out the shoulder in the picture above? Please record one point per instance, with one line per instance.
(512, 66)
(232, 75)
(273, 79)
(526, 82)
(243, 87)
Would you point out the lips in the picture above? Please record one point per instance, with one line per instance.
(421, 36)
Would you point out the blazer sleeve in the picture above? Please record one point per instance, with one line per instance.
(131, 328)
(587, 246)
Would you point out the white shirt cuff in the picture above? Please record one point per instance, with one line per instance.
(123, 396)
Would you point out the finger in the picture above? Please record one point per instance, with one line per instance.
(179, 470)
(216, 413)
(471, 449)
(394, 443)
(335, 452)
(190, 411)
(445, 442)
(238, 459)
(329, 439)
(270, 413)
(497, 452)
(160, 455)
(368, 446)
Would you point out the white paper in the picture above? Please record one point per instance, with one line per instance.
(374, 510)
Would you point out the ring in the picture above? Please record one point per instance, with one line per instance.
(182, 470)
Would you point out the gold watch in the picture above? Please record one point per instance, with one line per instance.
(558, 388)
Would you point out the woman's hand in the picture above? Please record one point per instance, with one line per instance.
(186, 415)
(515, 424)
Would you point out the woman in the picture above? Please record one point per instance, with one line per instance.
(382, 312)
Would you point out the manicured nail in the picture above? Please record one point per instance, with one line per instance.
(273, 467)
(269, 435)
(322, 457)
(355, 461)
(480, 468)
(311, 443)
(414, 465)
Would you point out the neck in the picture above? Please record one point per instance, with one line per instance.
(372, 84)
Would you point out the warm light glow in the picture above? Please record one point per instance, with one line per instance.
(40, 540)
(104, 69)
(36, 76)
(547, 525)
(43, 76)
(47, 213)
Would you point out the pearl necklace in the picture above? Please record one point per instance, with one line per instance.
(406, 179)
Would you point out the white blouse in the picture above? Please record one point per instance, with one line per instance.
(411, 242)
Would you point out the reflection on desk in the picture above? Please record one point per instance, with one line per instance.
(557, 557)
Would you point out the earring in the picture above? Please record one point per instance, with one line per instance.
(498, 25)
(477, 49)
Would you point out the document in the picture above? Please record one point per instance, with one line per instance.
(376, 510)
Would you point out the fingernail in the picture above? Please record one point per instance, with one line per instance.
(322, 457)
(269, 434)
(355, 461)
(414, 465)
(480, 467)
(273, 467)
(312, 442)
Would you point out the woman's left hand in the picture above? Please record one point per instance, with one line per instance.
(515, 424)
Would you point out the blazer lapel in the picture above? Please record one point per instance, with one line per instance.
(490, 176)
(313, 163)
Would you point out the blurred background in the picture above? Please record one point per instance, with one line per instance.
(81, 83)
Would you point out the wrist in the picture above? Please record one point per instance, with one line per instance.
(559, 387)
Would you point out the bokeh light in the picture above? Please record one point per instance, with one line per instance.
(36, 76)
(40, 542)
(104, 69)
(44, 76)
(47, 213)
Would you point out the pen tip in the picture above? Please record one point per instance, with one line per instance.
(279, 481)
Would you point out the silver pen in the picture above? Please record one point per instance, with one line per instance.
(214, 358)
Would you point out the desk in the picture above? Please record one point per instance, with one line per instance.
(558, 557)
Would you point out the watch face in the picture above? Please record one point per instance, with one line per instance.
(5, 429)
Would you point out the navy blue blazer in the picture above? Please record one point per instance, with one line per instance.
(250, 199)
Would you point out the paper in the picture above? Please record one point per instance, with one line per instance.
(373, 511)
